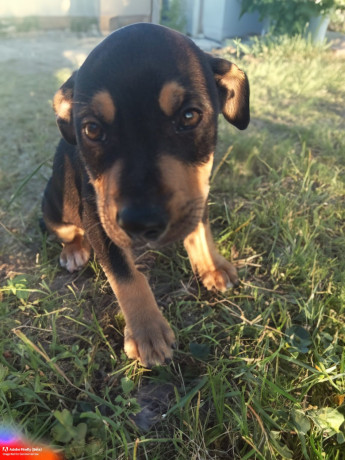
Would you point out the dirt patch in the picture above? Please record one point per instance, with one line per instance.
(45, 51)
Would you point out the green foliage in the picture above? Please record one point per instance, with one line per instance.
(338, 17)
(299, 339)
(27, 24)
(74, 437)
(329, 421)
(288, 16)
(83, 24)
(173, 15)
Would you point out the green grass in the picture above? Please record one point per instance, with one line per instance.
(260, 371)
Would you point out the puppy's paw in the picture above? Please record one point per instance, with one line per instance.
(150, 341)
(75, 255)
(222, 277)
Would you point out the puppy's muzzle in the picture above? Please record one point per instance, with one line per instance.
(148, 223)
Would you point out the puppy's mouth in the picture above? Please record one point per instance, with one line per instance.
(154, 232)
(178, 229)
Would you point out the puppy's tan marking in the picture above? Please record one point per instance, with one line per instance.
(68, 232)
(234, 80)
(103, 105)
(171, 97)
(62, 106)
(148, 336)
(107, 195)
(106, 184)
(76, 249)
(185, 182)
(75, 255)
(213, 269)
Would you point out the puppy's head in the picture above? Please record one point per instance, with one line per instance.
(143, 112)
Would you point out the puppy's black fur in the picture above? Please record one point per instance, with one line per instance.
(139, 127)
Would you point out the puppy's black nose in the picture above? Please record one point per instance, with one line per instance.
(147, 222)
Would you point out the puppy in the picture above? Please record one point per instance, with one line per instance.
(139, 126)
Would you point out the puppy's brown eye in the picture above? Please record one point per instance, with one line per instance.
(94, 131)
(190, 119)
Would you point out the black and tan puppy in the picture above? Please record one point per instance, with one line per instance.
(139, 127)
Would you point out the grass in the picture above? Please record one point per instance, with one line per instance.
(260, 371)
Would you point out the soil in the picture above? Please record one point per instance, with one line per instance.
(29, 52)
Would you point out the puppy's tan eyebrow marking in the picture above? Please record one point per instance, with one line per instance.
(171, 97)
(103, 105)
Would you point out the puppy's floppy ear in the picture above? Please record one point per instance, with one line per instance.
(233, 90)
(63, 106)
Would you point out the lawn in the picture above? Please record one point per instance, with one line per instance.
(259, 372)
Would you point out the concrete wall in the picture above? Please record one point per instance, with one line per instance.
(22, 8)
(125, 7)
(55, 14)
(119, 13)
(221, 19)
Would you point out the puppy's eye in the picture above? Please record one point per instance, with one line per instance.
(94, 131)
(190, 118)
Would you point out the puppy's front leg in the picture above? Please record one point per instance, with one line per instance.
(213, 269)
(148, 336)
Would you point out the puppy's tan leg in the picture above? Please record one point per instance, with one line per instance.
(213, 269)
(148, 336)
(76, 250)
